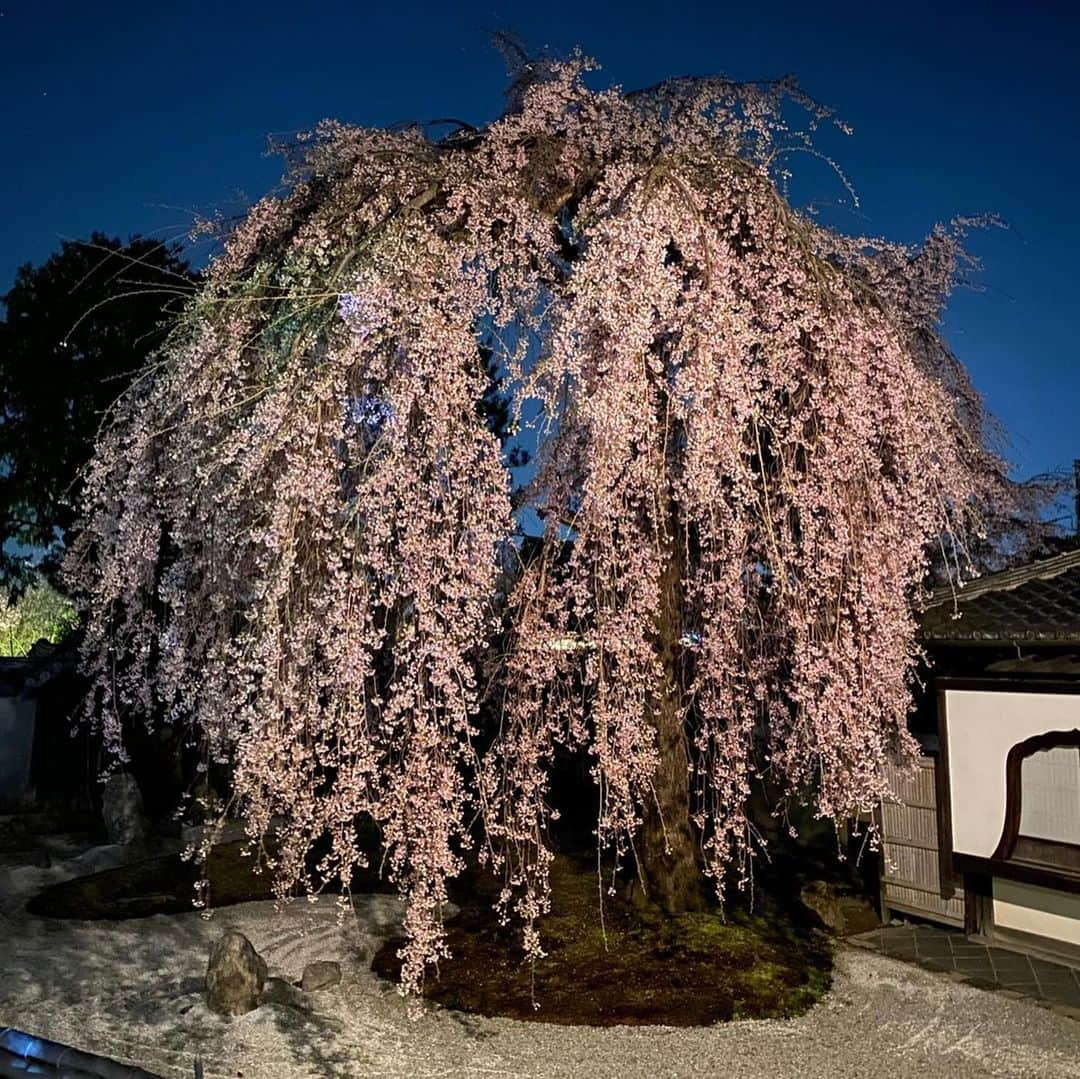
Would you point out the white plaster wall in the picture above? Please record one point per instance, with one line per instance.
(1042, 911)
(16, 745)
(981, 727)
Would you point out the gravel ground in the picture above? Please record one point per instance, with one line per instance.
(133, 990)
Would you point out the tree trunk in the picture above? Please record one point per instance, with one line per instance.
(668, 849)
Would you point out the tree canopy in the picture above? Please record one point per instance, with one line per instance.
(77, 328)
(40, 613)
(748, 427)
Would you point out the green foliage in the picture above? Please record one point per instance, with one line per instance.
(40, 612)
(76, 330)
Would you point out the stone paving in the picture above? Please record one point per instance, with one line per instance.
(1053, 985)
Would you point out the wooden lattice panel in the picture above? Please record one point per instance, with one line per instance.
(910, 874)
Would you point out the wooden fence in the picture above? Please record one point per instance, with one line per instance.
(910, 873)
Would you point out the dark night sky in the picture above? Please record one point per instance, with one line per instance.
(129, 117)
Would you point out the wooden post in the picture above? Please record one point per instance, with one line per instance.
(979, 905)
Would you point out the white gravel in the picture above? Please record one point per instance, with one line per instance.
(133, 991)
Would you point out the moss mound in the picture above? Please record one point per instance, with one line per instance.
(689, 970)
(164, 885)
(161, 885)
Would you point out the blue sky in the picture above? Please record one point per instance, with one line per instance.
(132, 117)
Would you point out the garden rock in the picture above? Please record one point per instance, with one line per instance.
(235, 976)
(860, 915)
(320, 975)
(122, 809)
(822, 898)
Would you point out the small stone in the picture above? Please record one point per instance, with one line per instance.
(235, 975)
(320, 975)
(122, 809)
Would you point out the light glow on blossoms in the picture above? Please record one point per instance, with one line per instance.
(749, 429)
(370, 415)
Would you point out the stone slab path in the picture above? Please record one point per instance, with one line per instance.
(1051, 985)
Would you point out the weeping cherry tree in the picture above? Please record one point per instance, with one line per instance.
(750, 441)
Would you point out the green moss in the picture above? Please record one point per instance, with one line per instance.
(635, 967)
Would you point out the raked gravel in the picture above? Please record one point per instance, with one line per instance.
(133, 991)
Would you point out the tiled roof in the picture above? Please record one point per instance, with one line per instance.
(1037, 602)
